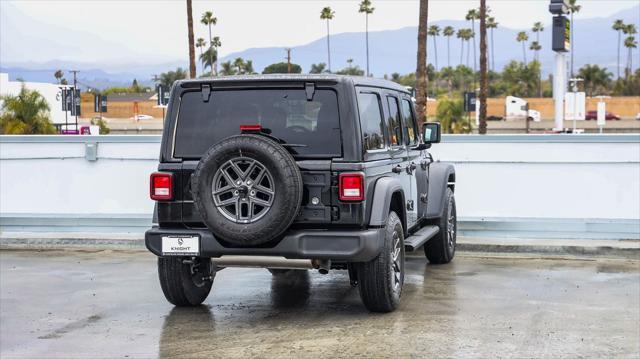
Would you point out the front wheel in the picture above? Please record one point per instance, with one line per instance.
(381, 279)
(442, 247)
(185, 281)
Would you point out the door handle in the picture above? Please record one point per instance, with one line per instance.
(396, 169)
(411, 167)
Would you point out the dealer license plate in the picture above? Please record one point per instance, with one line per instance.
(180, 246)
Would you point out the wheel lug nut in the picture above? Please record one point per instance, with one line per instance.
(253, 193)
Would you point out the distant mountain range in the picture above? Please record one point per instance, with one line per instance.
(395, 50)
(390, 51)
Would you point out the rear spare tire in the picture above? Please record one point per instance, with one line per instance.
(247, 189)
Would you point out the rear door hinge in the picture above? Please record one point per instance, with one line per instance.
(310, 90)
(206, 92)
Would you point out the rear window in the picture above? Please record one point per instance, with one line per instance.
(308, 128)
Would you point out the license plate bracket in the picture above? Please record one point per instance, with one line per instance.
(181, 245)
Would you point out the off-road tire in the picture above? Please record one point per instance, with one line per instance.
(180, 286)
(376, 281)
(287, 185)
(441, 248)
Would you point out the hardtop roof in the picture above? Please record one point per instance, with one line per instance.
(353, 80)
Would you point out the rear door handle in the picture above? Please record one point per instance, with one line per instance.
(411, 167)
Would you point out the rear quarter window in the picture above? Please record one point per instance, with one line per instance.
(371, 120)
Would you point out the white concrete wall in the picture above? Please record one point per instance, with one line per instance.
(498, 177)
(541, 179)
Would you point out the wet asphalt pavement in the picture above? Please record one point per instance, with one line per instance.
(80, 305)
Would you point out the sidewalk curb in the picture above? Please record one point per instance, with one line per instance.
(550, 250)
(620, 249)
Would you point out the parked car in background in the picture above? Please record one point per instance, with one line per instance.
(142, 117)
(593, 115)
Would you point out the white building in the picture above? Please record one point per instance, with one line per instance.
(51, 92)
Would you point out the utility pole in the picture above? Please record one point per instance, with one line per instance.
(75, 92)
(288, 50)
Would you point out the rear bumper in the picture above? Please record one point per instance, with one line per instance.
(351, 246)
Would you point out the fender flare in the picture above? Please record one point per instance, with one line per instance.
(384, 189)
(439, 173)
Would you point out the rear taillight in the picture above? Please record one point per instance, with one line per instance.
(351, 187)
(161, 186)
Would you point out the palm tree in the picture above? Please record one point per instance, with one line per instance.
(573, 8)
(58, 75)
(318, 68)
(239, 64)
(209, 20)
(460, 35)
(227, 69)
(630, 43)
(483, 68)
(328, 14)
(447, 32)
(200, 43)
(523, 38)
(618, 26)
(367, 9)
(434, 31)
(25, 113)
(492, 24)
(537, 29)
(468, 34)
(535, 47)
(192, 50)
(421, 66)
(248, 68)
(208, 58)
(473, 15)
(594, 78)
(216, 44)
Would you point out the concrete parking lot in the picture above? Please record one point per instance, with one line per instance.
(109, 304)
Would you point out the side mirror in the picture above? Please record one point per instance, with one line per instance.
(431, 132)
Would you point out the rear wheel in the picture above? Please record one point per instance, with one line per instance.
(185, 281)
(442, 247)
(381, 279)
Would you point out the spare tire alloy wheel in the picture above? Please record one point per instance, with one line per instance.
(247, 190)
(243, 190)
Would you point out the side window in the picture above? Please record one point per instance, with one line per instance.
(409, 123)
(395, 129)
(371, 121)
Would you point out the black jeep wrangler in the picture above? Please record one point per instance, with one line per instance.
(297, 172)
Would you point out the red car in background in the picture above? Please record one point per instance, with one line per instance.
(593, 115)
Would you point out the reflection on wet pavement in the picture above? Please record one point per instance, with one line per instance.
(78, 305)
